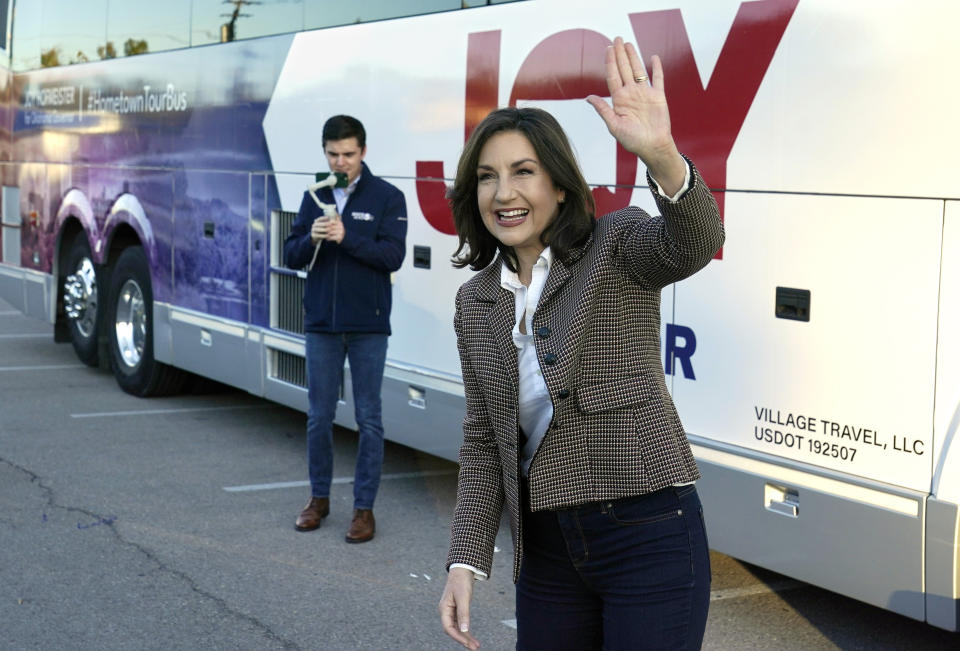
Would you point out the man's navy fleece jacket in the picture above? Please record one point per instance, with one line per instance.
(348, 289)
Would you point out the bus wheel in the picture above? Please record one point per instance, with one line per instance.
(130, 323)
(81, 301)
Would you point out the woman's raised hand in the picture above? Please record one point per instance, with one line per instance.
(639, 118)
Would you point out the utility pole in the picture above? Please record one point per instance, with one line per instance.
(228, 30)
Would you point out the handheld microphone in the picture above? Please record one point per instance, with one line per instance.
(329, 180)
(325, 180)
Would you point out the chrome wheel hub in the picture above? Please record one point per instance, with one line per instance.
(131, 323)
(80, 297)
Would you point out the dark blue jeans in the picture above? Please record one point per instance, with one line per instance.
(325, 354)
(632, 573)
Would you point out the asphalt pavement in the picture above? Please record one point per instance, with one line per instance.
(167, 523)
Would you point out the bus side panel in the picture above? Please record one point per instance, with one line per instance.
(865, 551)
(7, 111)
(942, 564)
(143, 200)
(210, 307)
(37, 233)
(423, 418)
(211, 243)
(850, 389)
(423, 295)
(824, 120)
(10, 220)
(946, 419)
(258, 248)
(28, 291)
(9, 236)
(847, 393)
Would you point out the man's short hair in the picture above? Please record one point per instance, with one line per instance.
(343, 126)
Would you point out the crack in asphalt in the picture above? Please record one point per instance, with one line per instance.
(109, 522)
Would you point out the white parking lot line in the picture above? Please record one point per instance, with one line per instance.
(266, 487)
(336, 480)
(153, 412)
(49, 367)
(32, 335)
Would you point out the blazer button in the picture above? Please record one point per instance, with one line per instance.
(550, 359)
(543, 332)
(563, 393)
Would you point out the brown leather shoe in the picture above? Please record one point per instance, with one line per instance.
(316, 510)
(361, 529)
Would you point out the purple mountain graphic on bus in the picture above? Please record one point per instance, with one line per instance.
(186, 140)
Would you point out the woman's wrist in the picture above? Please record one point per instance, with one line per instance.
(668, 170)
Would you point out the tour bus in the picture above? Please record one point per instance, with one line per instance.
(153, 155)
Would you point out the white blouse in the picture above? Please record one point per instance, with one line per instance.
(535, 409)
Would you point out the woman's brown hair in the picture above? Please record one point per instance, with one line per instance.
(574, 221)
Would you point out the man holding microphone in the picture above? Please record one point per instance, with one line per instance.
(346, 304)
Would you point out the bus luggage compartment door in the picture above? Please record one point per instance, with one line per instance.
(858, 538)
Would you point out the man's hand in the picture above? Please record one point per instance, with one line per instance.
(318, 230)
(455, 607)
(326, 228)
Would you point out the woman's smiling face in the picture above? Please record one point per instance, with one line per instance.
(515, 194)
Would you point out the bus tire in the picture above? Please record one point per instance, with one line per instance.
(81, 300)
(130, 330)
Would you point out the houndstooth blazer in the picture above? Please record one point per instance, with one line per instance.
(615, 431)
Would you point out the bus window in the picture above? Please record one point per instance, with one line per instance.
(481, 3)
(27, 30)
(323, 13)
(73, 32)
(219, 21)
(141, 26)
(4, 14)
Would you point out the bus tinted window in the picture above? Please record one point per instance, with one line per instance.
(50, 33)
(27, 28)
(141, 26)
(217, 21)
(481, 3)
(4, 13)
(324, 13)
(73, 32)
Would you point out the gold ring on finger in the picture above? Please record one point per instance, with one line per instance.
(641, 79)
